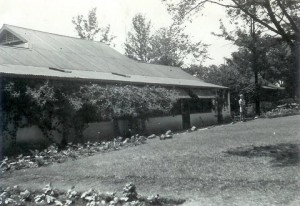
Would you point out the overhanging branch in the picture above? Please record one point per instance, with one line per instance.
(294, 26)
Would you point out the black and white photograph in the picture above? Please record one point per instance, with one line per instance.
(150, 102)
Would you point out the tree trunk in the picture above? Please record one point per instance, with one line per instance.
(257, 94)
(294, 88)
(1, 118)
(255, 69)
(297, 95)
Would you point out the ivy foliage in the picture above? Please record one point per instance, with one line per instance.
(112, 101)
(57, 107)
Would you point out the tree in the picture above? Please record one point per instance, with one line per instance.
(167, 46)
(237, 74)
(89, 28)
(172, 47)
(247, 38)
(279, 18)
(137, 45)
(105, 36)
(254, 53)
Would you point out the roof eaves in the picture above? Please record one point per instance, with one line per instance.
(43, 72)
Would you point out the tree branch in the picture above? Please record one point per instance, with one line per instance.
(207, 1)
(293, 24)
(224, 5)
(275, 22)
(196, 6)
(255, 18)
(281, 18)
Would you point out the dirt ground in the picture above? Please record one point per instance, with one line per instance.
(247, 163)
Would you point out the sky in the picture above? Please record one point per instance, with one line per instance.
(55, 16)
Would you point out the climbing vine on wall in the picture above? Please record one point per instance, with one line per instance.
(127, 101)
(59, 107)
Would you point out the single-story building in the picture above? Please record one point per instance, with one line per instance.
(27, 53)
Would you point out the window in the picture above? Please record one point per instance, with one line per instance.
(196, 105)
(200, 105)
(176, 110)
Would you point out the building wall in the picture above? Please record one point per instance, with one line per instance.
(158, 125)
(100, 131)
(203, 119)
(32, 134)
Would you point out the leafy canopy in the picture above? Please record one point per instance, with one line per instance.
(167, 46)
(137, 45)
(88, 28)
(279, 17)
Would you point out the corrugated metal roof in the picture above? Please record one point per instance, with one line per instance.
(101, 76)
(86, 59)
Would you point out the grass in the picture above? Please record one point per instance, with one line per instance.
(225, 165)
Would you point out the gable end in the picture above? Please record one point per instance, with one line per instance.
(7, 38)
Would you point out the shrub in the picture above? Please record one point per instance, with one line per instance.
(267, 106)
(288, 101)
(281, 112)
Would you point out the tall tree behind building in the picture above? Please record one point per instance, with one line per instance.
(88, 28)
(171, 46)
(137, 45)
(167, 45)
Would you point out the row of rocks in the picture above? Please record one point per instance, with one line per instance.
(74, 151)
(51, 196)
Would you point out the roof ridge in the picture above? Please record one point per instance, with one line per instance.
(9, 25)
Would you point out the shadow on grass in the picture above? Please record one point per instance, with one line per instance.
(283, 154)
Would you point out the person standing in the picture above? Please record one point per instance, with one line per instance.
(242, 104)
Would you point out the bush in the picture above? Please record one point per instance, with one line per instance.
(287, 101)
(281, 112)
(267, 106)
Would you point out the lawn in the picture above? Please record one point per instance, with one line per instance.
(250, 163)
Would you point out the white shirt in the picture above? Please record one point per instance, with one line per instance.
(242, 104)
